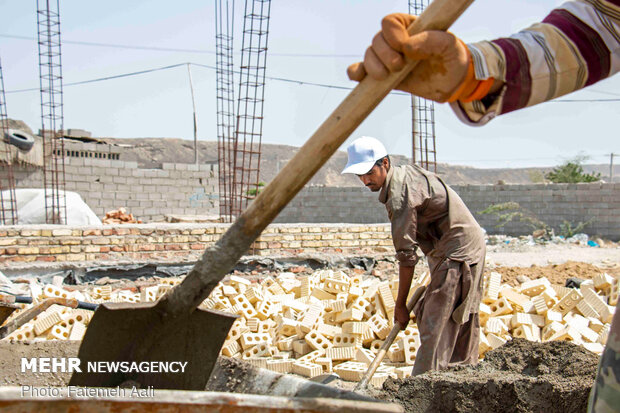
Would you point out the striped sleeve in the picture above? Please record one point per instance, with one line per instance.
(576, 45)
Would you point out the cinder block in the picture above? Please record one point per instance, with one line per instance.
(336, 286)
(353, 327)
(500, 307)
(231, 348)
(325, 363)
(602, 281)
(599, 304)
(410, 347)
(148, 294)
(307, 369)
(347, 340)
(329, 331)
(535, 287)
(312, 316)
(364, 305)
(495, 341)
(46, 322)
(313, 355)
(594, 347)
(251, 339)
(351, 370)
(341, 353)
(259, 350)
(317, 340)
(244, 305)
(551, 329)
(379, 326)
(280, 366)
(351, 314)
(253, 295)
(529, 332)
(568, 302)
(301, 347)
(58, 332)
(364, 355)
(492, 283)
(496, 326)
(529, 319)
(52, 291)
(286, 344)
(586, 309)
(321, 294)
(25, 332)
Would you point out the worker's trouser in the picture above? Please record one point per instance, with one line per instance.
(444, 342)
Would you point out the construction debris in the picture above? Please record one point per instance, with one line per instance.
(329, 321)
(119, 216)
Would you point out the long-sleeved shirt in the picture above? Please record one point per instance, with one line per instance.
(427, 214)
(576, 45)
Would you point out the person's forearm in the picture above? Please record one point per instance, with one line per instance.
(405, 275)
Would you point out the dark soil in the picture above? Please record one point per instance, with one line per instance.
(521, 376)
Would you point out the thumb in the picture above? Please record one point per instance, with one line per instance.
(356, 71)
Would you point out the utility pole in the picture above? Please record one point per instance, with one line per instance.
(191, 88)
(611, 167)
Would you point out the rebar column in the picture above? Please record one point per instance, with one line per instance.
(249, 127)
(424, 151)
(225, 97)
(52, 129)
(8, 200)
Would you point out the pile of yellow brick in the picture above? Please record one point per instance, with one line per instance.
(331, 322)
(540, 311)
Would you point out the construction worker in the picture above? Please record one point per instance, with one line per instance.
(427, 214)
(576, 45)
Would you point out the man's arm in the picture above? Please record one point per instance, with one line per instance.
(575, 46)
(401, 313)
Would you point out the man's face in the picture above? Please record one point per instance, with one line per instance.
(375, 178)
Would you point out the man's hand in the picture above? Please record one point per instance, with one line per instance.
(444, 59)
(401, 315)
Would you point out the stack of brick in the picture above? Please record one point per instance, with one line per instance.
(539, 311)
(332, 322)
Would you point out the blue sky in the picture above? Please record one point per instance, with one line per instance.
(158, 104)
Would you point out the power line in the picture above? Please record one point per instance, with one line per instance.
(279, 79)
(166, 49)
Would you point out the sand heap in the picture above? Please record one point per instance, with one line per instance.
(520, 376)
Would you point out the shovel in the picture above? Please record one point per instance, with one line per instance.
(361, 385)
(173, 329)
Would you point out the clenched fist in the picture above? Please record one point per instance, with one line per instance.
(444, 72)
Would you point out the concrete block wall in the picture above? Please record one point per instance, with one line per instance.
(161, 242)
(149, 194)
(551, 203)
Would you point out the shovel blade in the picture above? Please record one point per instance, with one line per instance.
(137, 333)
(6, 310)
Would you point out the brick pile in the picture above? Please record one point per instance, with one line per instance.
(332, 322)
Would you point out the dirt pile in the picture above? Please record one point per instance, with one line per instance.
(521, 376)
(555, 273)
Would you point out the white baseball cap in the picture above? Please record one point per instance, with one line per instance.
(363, 153)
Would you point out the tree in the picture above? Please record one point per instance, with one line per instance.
(571, 172)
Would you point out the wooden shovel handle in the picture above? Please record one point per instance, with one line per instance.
(221, 257)
(388, 341)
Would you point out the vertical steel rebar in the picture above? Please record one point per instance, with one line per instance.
(424, 152)
(225, 96)
(249, 126)
(8, 199)
(52, 128)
